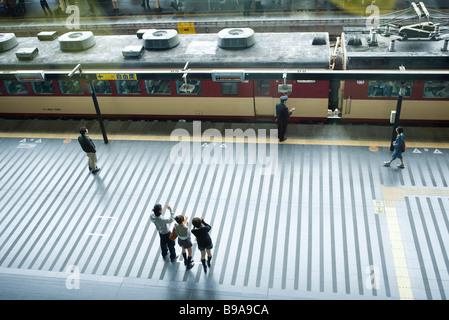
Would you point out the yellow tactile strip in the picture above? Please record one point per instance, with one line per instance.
(399, 259)
(397, 194)
(361, 143)
(391, 194)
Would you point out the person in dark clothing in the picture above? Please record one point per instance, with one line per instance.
(247, 7)
(282, 115)
(89, 148)
(201, 231)
(45, 7)
(91, 6)
(398, 145)
(143, 4)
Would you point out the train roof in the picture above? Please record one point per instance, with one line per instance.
(412, 54)
(280, 50)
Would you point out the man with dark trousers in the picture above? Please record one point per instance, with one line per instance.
(282, 115)
(89, 148)
(163, 227)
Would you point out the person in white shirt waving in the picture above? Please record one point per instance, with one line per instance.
(163, 227)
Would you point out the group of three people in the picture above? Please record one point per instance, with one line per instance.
(200, 230)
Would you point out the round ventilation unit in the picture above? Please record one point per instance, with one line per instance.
(7, 41)
(77, 41)
(160, 39)
(236, 38)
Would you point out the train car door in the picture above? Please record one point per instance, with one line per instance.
(264, 101)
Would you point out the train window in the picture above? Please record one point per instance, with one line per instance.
(15, 87)
(101, 87)
(191, 87)
(44, 87)
(387, 89)
(436, 89)
(158, 86)
(263, 87)
(71, 86)
(229, 88)
(128, 86)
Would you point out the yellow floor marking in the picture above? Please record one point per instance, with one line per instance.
(293, 141)
(398, 194)
(390, 195)
(399, 260)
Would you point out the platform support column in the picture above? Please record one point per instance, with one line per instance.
(94, 99)
(97, 109)
(398, 114)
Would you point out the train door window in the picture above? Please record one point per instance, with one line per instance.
(436, 89)
(102, 86)
(128, 86)
(44, 87)
(387, 89)
(191, 87)
(71, 86)
(229, 88)
(158, 86)
(15, 87)
(263, 87)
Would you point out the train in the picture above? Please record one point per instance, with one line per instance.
(423, 101)
(36, 78)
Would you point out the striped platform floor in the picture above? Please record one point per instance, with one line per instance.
(330, 223)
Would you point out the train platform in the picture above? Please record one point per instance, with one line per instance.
(128, 23)
(195, 16)
(328, 221)
(93, 8)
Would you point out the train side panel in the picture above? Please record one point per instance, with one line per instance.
(169, 107)
(46, 106)
(133, 107)
(310, 109)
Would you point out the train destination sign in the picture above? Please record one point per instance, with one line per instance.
(228, 76)
(116, 76)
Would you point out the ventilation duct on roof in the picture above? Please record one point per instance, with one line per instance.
(354, 41)
(236, 38)
(27, 53)
(133, 51)
(77, 41)
(7, 41)
(160, 39)
(319, 40)
(47, 35)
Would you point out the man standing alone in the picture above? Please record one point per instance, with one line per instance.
(89, 147)
(282, 115)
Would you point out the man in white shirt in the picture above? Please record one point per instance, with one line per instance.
(163, 227)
